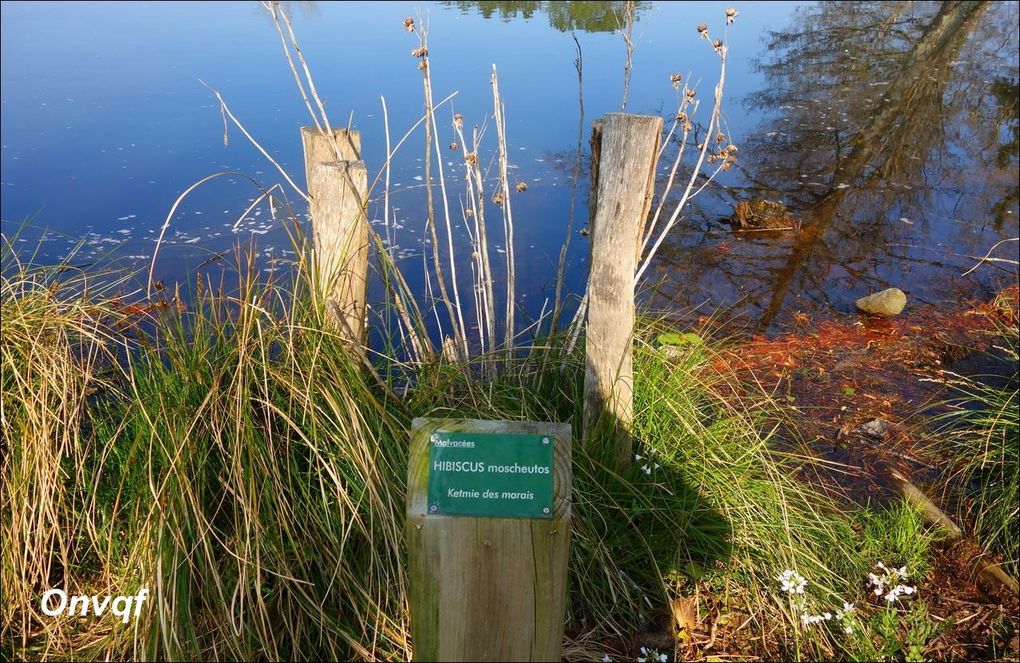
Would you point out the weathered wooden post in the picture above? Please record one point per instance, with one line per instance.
(338, 189)
(627, 148)
(488, 533)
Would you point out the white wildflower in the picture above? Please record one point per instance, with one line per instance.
(651, 655)
(890, 579)
(809, 620)
(792, 582)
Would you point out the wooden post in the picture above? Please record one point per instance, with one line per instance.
(623, 194)
(487, 588)
(339, 189)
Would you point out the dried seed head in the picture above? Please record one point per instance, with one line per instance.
(498, 198)
(717, 45)
(681, 117)
(409, 24)
(690, 93)
(420, 52)
(703, 30)
(731, 14)
(469, 212)
(522, 187)
(454, 146)
(675, 80)
(470, 158)
(720, 138)
(458, 120)
(423, 65)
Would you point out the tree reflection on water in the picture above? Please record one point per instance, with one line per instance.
(587, 16)
(892, 128)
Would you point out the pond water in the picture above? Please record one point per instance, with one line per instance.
(889, 128)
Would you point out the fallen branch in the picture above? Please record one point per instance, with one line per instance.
(983, 569)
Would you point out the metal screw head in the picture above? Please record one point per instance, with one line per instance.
(434, 508)
(545, 510)
(545, 440)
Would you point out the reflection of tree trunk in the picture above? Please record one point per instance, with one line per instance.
(807, 244)
(914, 99)
(914, 102)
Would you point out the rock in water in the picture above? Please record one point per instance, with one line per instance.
(887, 302)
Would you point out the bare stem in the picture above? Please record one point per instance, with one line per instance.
(429, 200)
(627, 33)
(508, 219)
(713, 125)
(575, 183)
(226, 110)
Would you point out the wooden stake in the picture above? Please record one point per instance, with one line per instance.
(623, 194)
(485, 588)
(339, 189)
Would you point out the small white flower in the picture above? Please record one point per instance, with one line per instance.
(606, 659)
(792, 582)
(848, 629)
(848, 609)
(651, 655)
(827, 615)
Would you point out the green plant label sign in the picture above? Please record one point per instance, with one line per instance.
(497, 475)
